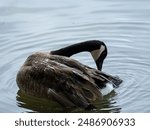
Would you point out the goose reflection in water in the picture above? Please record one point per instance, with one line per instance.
(43, 105)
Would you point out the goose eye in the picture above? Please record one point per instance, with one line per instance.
(104, 54)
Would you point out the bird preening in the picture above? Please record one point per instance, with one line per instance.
(56, 76)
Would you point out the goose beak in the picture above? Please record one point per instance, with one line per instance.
(99, 65)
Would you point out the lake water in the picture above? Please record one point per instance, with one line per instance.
(27, 26)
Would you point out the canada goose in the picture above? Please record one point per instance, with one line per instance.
(56, 76)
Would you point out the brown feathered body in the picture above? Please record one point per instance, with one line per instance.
(62, 79)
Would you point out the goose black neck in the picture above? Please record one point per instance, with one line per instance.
(78, 47)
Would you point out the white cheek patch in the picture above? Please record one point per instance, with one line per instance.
(97, 53)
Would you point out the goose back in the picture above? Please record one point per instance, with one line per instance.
(62, 79)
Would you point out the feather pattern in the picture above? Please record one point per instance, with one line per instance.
(62, 79)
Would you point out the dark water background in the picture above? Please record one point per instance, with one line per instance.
(27, 26)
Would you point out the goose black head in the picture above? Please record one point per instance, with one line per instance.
(97, 49)
(99, 54)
